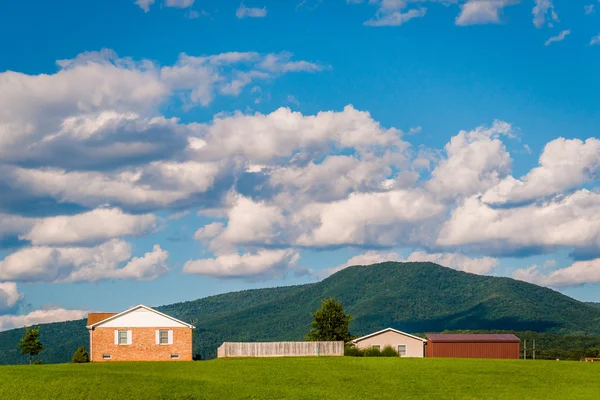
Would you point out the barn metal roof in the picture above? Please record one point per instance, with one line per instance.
(471, 337)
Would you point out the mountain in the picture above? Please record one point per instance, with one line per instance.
(594, 304)
(413, 297)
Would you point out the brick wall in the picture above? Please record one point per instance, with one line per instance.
(143, 345)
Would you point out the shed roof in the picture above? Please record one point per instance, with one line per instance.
(98, 316)
(472, 337)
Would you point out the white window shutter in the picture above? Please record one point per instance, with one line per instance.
(170, 337)
(157, 337)
(116, 337)
(128, 337)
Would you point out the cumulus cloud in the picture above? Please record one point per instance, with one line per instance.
(563, 165)
(250, 12)
(475, 161)
(82, 264)
(264, 264)
(571, 221)
(456, 261)
(40, 317)
(558, 38)
(576, 274)
(542, 10)
(90, 227)
(9, 296)
(481, 12)
(396, 18)
(595, 40)
(179, 3)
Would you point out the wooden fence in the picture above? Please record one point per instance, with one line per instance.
(280, 349)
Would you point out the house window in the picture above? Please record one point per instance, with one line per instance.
(106, 356)
(163, 337)
(376, 346)
(402, 350)
(174, 356)
(122, 337)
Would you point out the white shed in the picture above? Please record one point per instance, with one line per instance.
(405, 344)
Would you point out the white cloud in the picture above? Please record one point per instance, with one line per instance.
(475, 161)
(250, 12)
(82, 264)
(578, 273)
(209, 231)
(540, 12)
(264, 264)
(40, 317)
(263, 138)
(90, 227)
(481, 12)
(588, 9)
(389, 218)
(145, 4)
(571, 221)
(558, 38)
(9, 296)
(456, 261)
(179, 3)
(595, 40)
(564, 164)
(14, 225)
(396, 18)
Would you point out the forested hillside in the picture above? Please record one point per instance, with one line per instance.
(413, 297)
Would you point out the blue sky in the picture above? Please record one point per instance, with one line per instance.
(161, 151)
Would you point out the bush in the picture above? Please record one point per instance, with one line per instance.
(388, 351)
(353, 351)
(80, 356)
(373, 352)
(37, 362)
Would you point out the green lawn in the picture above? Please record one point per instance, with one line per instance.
(306, 378)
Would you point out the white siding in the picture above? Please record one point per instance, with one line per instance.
(141, 318)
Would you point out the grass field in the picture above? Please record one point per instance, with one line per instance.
(306, 378)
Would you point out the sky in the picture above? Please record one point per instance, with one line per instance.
(159, 151)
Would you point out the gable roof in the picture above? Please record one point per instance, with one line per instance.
(115, 316)
(98, 316)
(387, 330)
(473, 337)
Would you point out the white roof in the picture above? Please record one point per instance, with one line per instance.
(387, 330)
(137, 308)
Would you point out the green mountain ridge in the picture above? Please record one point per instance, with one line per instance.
(413, 297)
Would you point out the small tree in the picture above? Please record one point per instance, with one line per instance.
(330, 322)
(30, 343)
(80, 356)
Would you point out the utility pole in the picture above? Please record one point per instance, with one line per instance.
(525, 349)
(534, 349)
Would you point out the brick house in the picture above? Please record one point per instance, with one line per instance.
(139, 334)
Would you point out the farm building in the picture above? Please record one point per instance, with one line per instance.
(280, 349)
(139, 334)
(405, 344)
(473, 345)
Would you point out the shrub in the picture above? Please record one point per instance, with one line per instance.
(353, 351)
(373, 352)
(388, 351)
(37, 362)
(80, 356)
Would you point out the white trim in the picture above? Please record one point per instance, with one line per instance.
(388, 330)
(116, 336)
(158, 336)
(129, 337)
(170, 337)
(135, 308)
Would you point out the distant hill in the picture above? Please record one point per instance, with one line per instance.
(413, 297)
(594, 304)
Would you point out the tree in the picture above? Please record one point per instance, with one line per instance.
(80, 356)
(330, 322)
(30, 343)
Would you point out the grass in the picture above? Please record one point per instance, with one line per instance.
(306, 378)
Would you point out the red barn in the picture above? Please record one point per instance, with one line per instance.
(473, 345)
